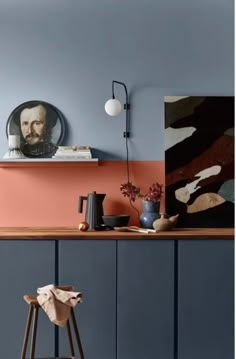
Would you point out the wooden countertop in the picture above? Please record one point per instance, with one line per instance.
(60, 233)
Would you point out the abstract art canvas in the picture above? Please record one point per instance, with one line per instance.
(199, 160)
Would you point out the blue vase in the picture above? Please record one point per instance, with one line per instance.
(151, 212)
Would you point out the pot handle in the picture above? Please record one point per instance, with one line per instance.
(81, 201)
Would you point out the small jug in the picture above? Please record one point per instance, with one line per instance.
(164, 223)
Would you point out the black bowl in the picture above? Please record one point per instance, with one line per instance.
(116, 220)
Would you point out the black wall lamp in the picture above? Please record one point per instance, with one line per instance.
(113, 107)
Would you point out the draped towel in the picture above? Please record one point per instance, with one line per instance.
(57, 302)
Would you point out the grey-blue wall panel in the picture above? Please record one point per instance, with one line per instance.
(24, 266)
(68, 54)
(145, 299)
(90, 265)
(206, 299)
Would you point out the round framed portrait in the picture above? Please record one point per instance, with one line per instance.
(40, 126)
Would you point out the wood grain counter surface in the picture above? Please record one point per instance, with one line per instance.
(65, 233)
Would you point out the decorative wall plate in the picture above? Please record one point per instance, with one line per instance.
(41, 128)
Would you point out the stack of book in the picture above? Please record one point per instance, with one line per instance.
(73, 152)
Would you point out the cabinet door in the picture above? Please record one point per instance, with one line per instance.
(90, 266)
(24, 266)
(206, 299)
(145, 300)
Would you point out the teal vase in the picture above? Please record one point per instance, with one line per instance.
(151, 212)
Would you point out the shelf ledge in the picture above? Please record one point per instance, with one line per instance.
(49, 162)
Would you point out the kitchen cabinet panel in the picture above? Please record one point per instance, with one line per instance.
(91, 267)
(206, 299)
(145, 299)
(24, 266)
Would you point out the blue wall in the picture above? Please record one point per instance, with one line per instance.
(67, 52)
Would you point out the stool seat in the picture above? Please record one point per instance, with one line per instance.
(31, 299)
(34, 306)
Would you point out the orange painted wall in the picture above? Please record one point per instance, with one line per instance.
(49, 196)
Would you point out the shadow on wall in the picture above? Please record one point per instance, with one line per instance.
(104, 155)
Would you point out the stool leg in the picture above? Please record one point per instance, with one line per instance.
(35, 322)
(27, 330)
(70, 339)
(77, 334)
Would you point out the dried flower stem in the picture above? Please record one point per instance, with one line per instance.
(136, 209)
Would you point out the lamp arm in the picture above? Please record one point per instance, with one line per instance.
(127, 105)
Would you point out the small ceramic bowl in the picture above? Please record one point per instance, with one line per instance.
(116, 220)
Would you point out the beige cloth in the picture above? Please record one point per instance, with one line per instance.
(57, 302)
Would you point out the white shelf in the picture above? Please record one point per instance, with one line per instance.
(49, 162)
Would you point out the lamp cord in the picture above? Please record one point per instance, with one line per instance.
(127, 150)
(127, 163)
(127, 107)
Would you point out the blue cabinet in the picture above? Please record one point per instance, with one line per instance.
(90, 265)
(24, 266)
(145, 299)
(206, 299)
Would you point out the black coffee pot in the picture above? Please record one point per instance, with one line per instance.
(94, 209)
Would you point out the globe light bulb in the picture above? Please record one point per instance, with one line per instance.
(113, 107)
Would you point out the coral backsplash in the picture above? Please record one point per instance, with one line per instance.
(49, 196)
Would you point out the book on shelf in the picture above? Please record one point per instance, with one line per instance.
(73, 152)
(72, 157)
(74, 148)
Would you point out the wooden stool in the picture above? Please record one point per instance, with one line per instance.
(33, 313)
